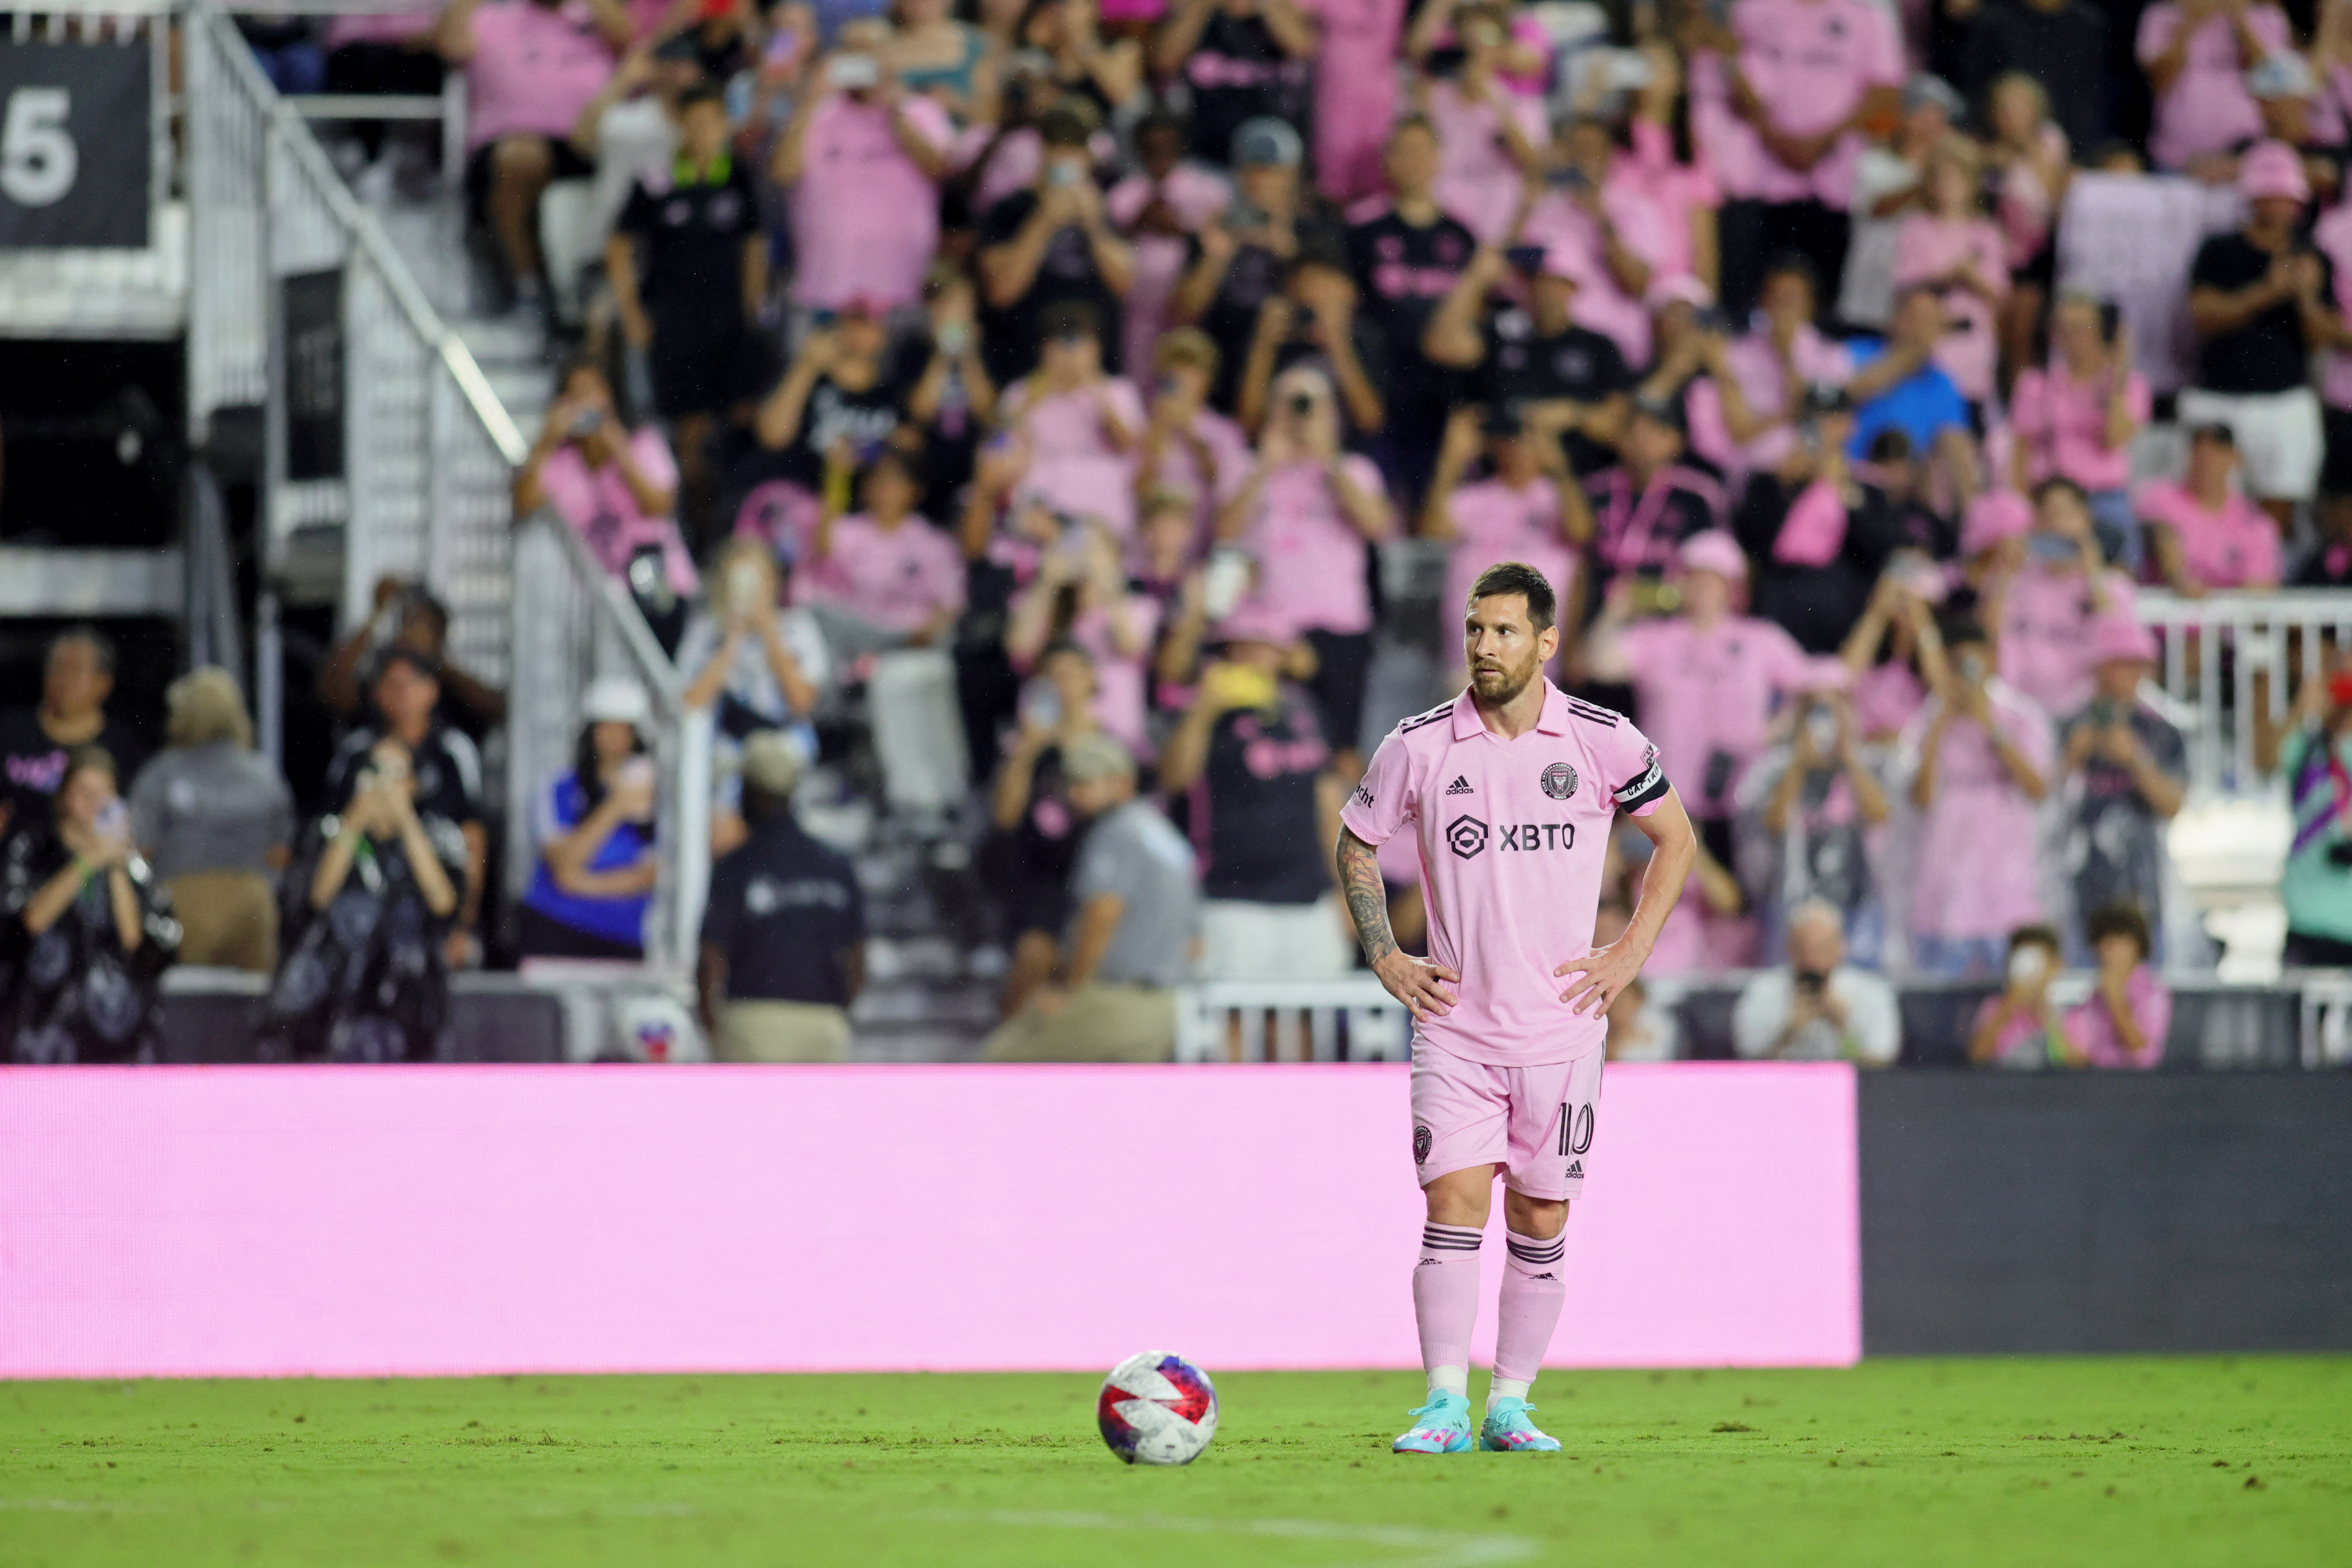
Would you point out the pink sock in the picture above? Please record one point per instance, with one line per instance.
(1533, 1289)
(1445, 1301)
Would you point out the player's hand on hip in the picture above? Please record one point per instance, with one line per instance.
(1419, 984)
(1600, 975)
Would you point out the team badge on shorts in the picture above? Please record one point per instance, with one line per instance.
(1559, 781)
(1422, 1139)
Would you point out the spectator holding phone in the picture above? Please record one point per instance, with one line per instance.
(1079, 426)
(1490, 139)
(1529, 508)
(2131, 767)
(1978, 757)
(1047, 245)
(616, 486)
(2318, 764)
(757, 665)
(2048, 606)
(1036, 830)
(1188, 448)
(1953, 248)
(1313, 324)
(2076, 418)
(2205, 534)
(1239, 262)
(1081, 593)
(1818, 1008)
(1819, 803)
(1241, 60)
(2019, 1027)
(840, 397)
(2125, 1020)
(88, 927)
(2197, 53)
(595, 826)
(1160, 208)
(1563, 378)
(37, 743)
(1310, 512)
(1822, 535)
(1744, 417)
(376, 902)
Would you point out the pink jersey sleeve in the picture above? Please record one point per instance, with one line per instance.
(1631, 773)
(1884, 66)
(1382, 802)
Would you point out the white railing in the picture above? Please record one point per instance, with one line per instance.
(1291, 1019)
(2233, 662)
(428, 450)
(575, 624)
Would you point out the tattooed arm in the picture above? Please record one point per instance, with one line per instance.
(1416, 982)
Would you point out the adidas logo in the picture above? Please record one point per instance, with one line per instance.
(1461, 786)
(1576, 1171)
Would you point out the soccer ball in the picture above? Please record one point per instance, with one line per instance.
(1157, 1409)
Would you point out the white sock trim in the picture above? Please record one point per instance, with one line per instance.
(1506, 1388)
(1453, 1380)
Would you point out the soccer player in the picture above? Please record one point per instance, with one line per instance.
(1510, 790)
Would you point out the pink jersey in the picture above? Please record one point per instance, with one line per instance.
(899, 579)
(2209, 109)
(2237, 546)
(390, 27)
(1976, 874)
(2333, 236)
(1310, 558)
(1073, 466)
(2091, 1028)
(1928, 249)
(1705, 694)
(1355, 93)
(2022, 201)
(599, 503)
(1194, 194)
(2047, 619)
(1477, 180)
(1513, 835)
(2063, 424)
(1180, 468)
(533, 71)
(1642, 227)
(865, 217)
(1812, 62)
(1120, 677)
(1755, 363)
(1495, 523)
(1679, 189)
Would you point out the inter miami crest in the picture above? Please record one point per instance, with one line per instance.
(1421, 1142)
(1559, 782)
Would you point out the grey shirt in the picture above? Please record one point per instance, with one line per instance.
(210, 808)
(1138, 854)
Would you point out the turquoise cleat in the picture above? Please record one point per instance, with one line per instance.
(1508, 1431)
(1440, 1426)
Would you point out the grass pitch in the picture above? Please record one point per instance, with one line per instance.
(2144, 1462)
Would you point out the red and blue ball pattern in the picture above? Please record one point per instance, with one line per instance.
(1156, 1408)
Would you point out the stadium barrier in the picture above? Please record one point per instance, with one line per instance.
(459, 1220)
(2232, 663)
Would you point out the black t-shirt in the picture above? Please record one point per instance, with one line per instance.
(691, 275)
(1302, 347)
(1523, 367)
(2330, 565)
(1236, 73)
(32, 766)
(951, 439)
(1817, 605)
(448, 773)
(2066, 50)
(1253, 804)
(1252, 278)
(784, 908)
(834, 413)
(1404, 274)
(2268, 353)
(1010, 337)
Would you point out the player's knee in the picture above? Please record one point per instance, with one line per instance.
(1541, 1218)
(1460, 1198)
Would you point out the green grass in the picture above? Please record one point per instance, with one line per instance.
(2155, 1463)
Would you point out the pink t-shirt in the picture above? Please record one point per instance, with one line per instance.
(1928, 247)
(1642, 226)
(1120, 678)
(2063, 424)
(899, 579)
(2091, 1028)
(1976, 874)
(2024, 1040)
(1756, 365)
(2046, 624)
(1812, 62)
(1195, 196)
(1355, 93)
(865, 218)
(599, 503)
(2333, 236)
(1495, 523)
(2237, 546)
(1229, 456)
(1705, 692)
(533, 70)
(392, 27)
(1477, 180)
(1727, 143)
(1513, 837)
(1073, 466)
(2209, 109)
(1310, 557)
(2022, 202)
(1677, 189)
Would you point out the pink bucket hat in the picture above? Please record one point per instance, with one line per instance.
(1995, 516)
(1715, 551)
(2272, 169)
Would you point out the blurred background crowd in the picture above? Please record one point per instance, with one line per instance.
(997, 411)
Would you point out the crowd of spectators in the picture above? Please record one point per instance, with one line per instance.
(1031, 388)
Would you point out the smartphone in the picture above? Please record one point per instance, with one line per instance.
(585, 423)
(953, 338)
(1527, 260)
(2028, 964)
(1822, 729)
(114, 820)
(1041, 707)
(636, 773)
(2054, 548)
(853, 73)
(1064, 172)
(1241, 216)
(1224, 580)
(743, 586)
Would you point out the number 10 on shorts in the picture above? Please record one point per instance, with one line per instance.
(1575, 1128)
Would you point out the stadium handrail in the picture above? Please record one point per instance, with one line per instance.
(2214, 652)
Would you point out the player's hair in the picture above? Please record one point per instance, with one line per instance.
(2120, 918)
(1518, 576)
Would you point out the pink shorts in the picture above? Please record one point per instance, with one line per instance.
(1534, 1122)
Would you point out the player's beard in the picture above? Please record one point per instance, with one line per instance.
(1497, 684)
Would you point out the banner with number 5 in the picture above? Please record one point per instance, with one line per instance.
(76, 145)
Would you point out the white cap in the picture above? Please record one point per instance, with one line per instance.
(616, 699)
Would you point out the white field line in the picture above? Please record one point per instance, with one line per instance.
(1439, 1550)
